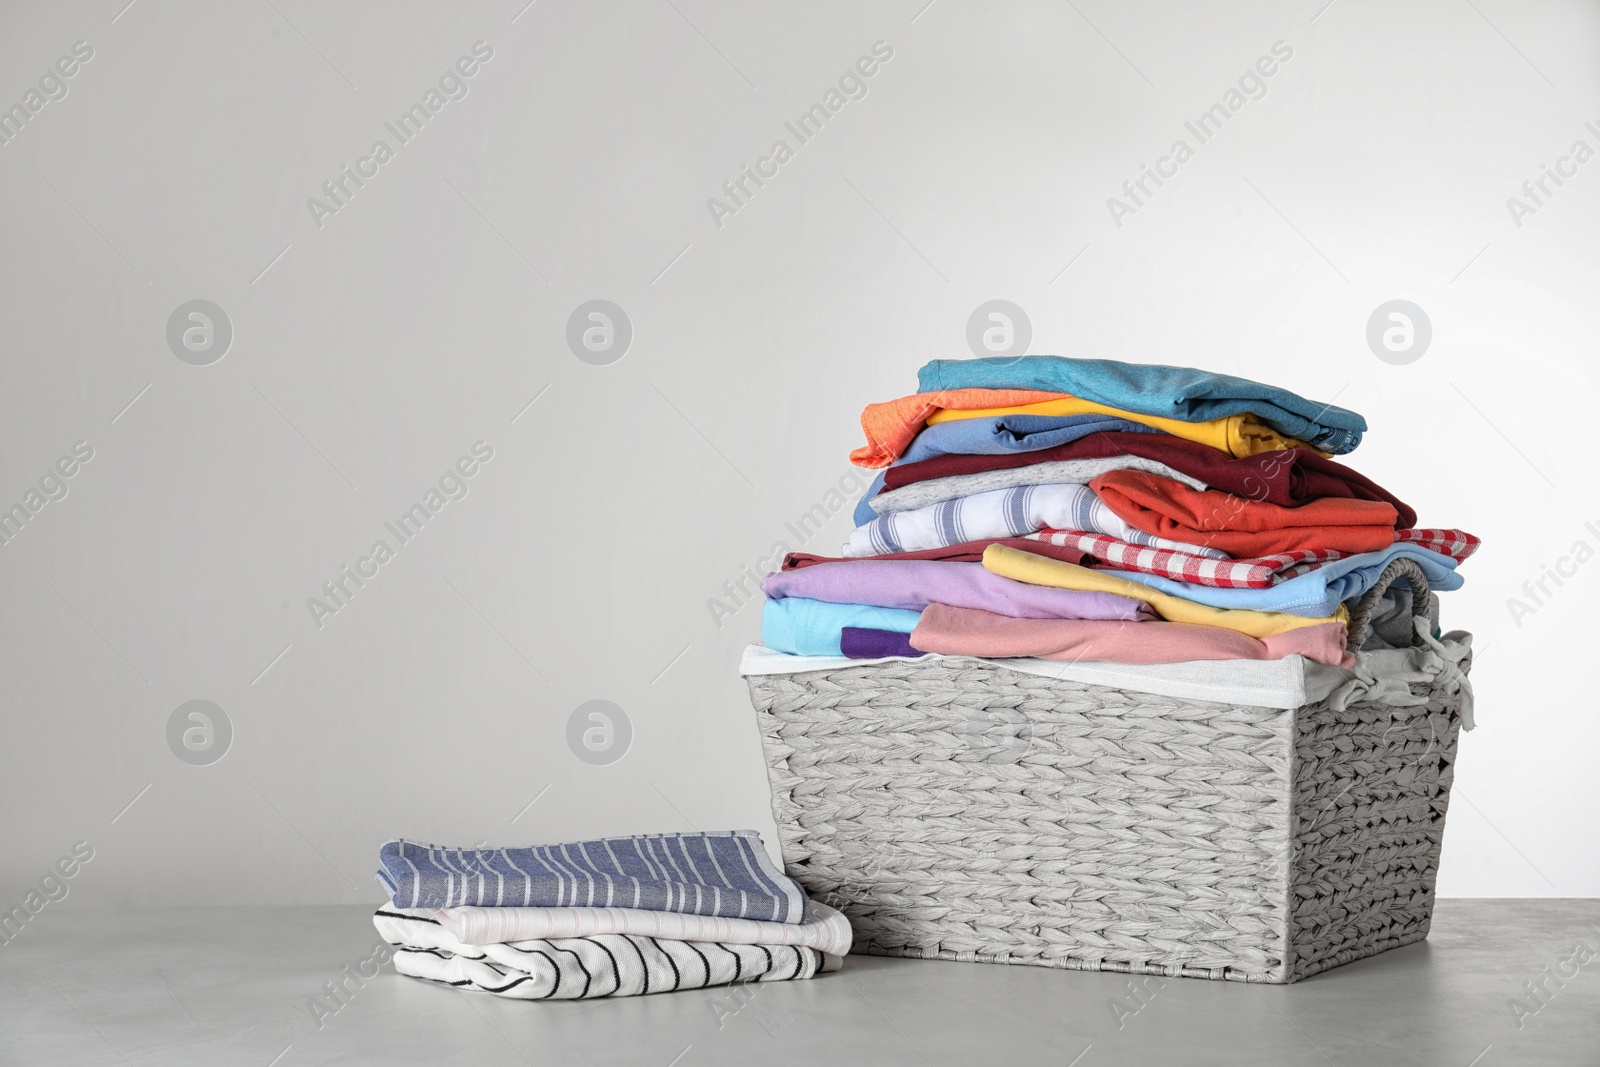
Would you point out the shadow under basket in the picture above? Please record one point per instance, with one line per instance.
(1106, 829)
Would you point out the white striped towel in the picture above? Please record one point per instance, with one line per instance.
(824, 929)
(584, 968)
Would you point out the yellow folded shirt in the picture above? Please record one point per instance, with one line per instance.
(1237, 435)
(1041, 570)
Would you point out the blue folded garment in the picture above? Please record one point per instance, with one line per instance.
(803, 627)
(997, 435)
(1181, 393)
(1313, 594)
(726, 873)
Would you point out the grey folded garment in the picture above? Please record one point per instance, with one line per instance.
(1391, 620)
(1060, 472)
(585, 968)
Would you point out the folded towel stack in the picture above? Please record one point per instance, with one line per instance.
(617, 916)
(1079, 509)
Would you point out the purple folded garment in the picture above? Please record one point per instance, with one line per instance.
(858, 642)
(913, 584)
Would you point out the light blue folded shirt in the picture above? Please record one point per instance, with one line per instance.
(997, 435)
(1182, 393)
(1316, 593)
(804, 627)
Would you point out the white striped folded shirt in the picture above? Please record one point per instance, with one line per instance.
(585, 968)
(1057, 472)
(1013, 512)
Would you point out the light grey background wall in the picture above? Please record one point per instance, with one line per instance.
(379, 338)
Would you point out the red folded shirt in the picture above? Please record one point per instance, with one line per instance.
(1239, 526)
(1289, 478)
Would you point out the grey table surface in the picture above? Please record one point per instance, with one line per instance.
(210, 986)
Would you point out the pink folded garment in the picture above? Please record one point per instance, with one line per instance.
(914, 584)
(971, 632)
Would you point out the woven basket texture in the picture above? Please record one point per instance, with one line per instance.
(960, 810)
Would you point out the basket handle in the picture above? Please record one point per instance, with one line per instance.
(1361, 613)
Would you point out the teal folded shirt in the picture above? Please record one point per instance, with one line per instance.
(1181, 393)
(804, 627)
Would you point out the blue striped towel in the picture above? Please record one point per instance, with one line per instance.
(725, 873)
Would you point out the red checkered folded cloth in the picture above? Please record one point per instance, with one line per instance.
(1457, 544)
(1257, 573)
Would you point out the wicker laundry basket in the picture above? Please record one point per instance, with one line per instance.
(1108, 829)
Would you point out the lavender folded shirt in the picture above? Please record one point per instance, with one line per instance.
(913, 584)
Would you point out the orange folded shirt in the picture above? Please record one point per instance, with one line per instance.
(890, 426)
(1240, 526)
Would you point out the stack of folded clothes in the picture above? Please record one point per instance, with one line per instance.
(617, 916)
(1083, 509)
